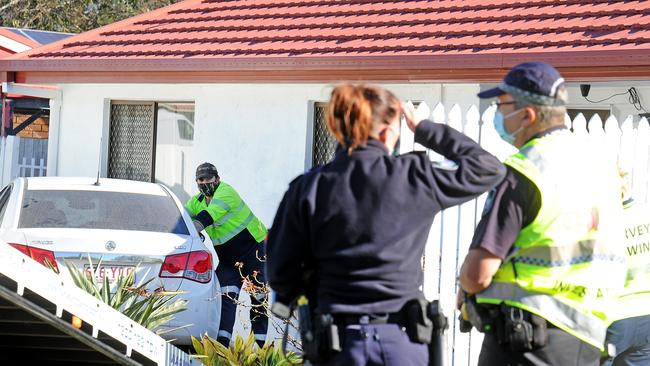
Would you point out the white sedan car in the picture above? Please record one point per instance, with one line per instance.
(131, 226)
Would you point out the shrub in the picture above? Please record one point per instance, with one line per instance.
(241, 353)
(149, 309)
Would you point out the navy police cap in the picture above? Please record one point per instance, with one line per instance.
(536, 82)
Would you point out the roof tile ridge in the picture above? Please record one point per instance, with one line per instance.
(383, 35)
(323, 49)
(271, 27)
(442, 8)
(274, 4)
(98, 31)
(613, 12)
(288, 15)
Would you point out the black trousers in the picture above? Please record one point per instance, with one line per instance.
(562, 349)
(230, 271)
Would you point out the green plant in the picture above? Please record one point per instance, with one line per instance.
(241, 353)
(149, 309)
(260, 289)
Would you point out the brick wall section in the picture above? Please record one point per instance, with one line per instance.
(39, 129)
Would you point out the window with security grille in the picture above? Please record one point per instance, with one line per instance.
(323, 143)
(153, 142)
(131, 141)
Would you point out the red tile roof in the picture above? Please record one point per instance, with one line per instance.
(28, 37)
(308, 35)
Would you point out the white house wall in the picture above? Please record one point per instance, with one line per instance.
(256, 134)
(619, 105)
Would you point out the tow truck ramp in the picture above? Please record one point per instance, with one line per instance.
(36, 312)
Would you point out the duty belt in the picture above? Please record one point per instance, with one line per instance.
(343, 320)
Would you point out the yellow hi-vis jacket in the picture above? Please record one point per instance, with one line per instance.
(567, 266)
(230, 213)
(635, 299)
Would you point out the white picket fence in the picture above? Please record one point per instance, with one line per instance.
(22, 157)
(453, 228)
(32, 168)
(32, 157)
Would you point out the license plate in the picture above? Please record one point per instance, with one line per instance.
(112, 272)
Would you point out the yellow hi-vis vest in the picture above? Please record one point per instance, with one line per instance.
(567, 266)
(230, 213)
(635, 299)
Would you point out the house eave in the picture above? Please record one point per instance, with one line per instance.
(574, 65)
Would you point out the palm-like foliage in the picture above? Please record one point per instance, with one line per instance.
(241, 353)
(149, 309)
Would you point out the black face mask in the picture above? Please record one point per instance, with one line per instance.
(207, 189)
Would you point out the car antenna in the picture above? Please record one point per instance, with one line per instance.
(99, 165)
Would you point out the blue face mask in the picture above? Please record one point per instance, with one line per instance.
(499, 125)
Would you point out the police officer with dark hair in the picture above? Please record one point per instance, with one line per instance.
(351, 233)
(238, 238)
(546, 256)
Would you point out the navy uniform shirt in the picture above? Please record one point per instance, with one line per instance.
(361, 222)
(510, 206)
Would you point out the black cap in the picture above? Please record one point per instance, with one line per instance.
(206, 170)
(536, 82)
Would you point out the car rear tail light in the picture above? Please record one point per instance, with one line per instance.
(173, 264)
(23, 248)
(195, 266)
(42, 256)
(199, 267)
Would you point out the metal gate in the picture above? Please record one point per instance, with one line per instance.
(32, 157)
(131, 141)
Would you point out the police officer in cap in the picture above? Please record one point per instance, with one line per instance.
(545, 257)
(238, 238)
(359, 224)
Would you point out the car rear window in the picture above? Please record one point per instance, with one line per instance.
(100, 210)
